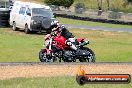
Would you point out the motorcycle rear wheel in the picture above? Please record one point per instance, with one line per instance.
(91, 57)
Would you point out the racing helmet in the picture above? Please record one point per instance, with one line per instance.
(55, 23)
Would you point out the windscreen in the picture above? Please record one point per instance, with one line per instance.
(42, 12)
(4, 4)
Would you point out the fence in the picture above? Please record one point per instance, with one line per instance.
(94, 14)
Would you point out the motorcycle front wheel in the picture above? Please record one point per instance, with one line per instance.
(43, 57)
(90, 57)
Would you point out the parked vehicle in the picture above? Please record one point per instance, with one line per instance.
(64, 52)
(4, 13)
(30, 17)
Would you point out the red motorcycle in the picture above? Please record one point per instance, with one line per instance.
(64, 52)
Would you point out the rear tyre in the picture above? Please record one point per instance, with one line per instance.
(14, 28)
(27, 31)
(90, 57)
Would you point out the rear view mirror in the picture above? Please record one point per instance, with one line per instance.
(29, 14)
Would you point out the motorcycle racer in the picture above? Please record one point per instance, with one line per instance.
(60, 30)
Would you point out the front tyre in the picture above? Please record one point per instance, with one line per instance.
(43, 57)
(90, 57)
(42, 54)
(27, 31)
(14, 28)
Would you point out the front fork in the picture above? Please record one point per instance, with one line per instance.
(50, 43)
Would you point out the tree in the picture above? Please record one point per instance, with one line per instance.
(65, 3)
(99, 4)
(108, 4)
(129, 1)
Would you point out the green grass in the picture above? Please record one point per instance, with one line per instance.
(19, 47)
(54, 82)
(89, 23)
(108, 46)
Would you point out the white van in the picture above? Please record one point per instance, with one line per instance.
(30, 16)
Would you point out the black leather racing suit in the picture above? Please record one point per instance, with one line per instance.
(65, 33)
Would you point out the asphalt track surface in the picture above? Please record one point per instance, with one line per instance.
(99, 28)
(62, 63)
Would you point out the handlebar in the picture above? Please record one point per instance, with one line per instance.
(84, 43)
